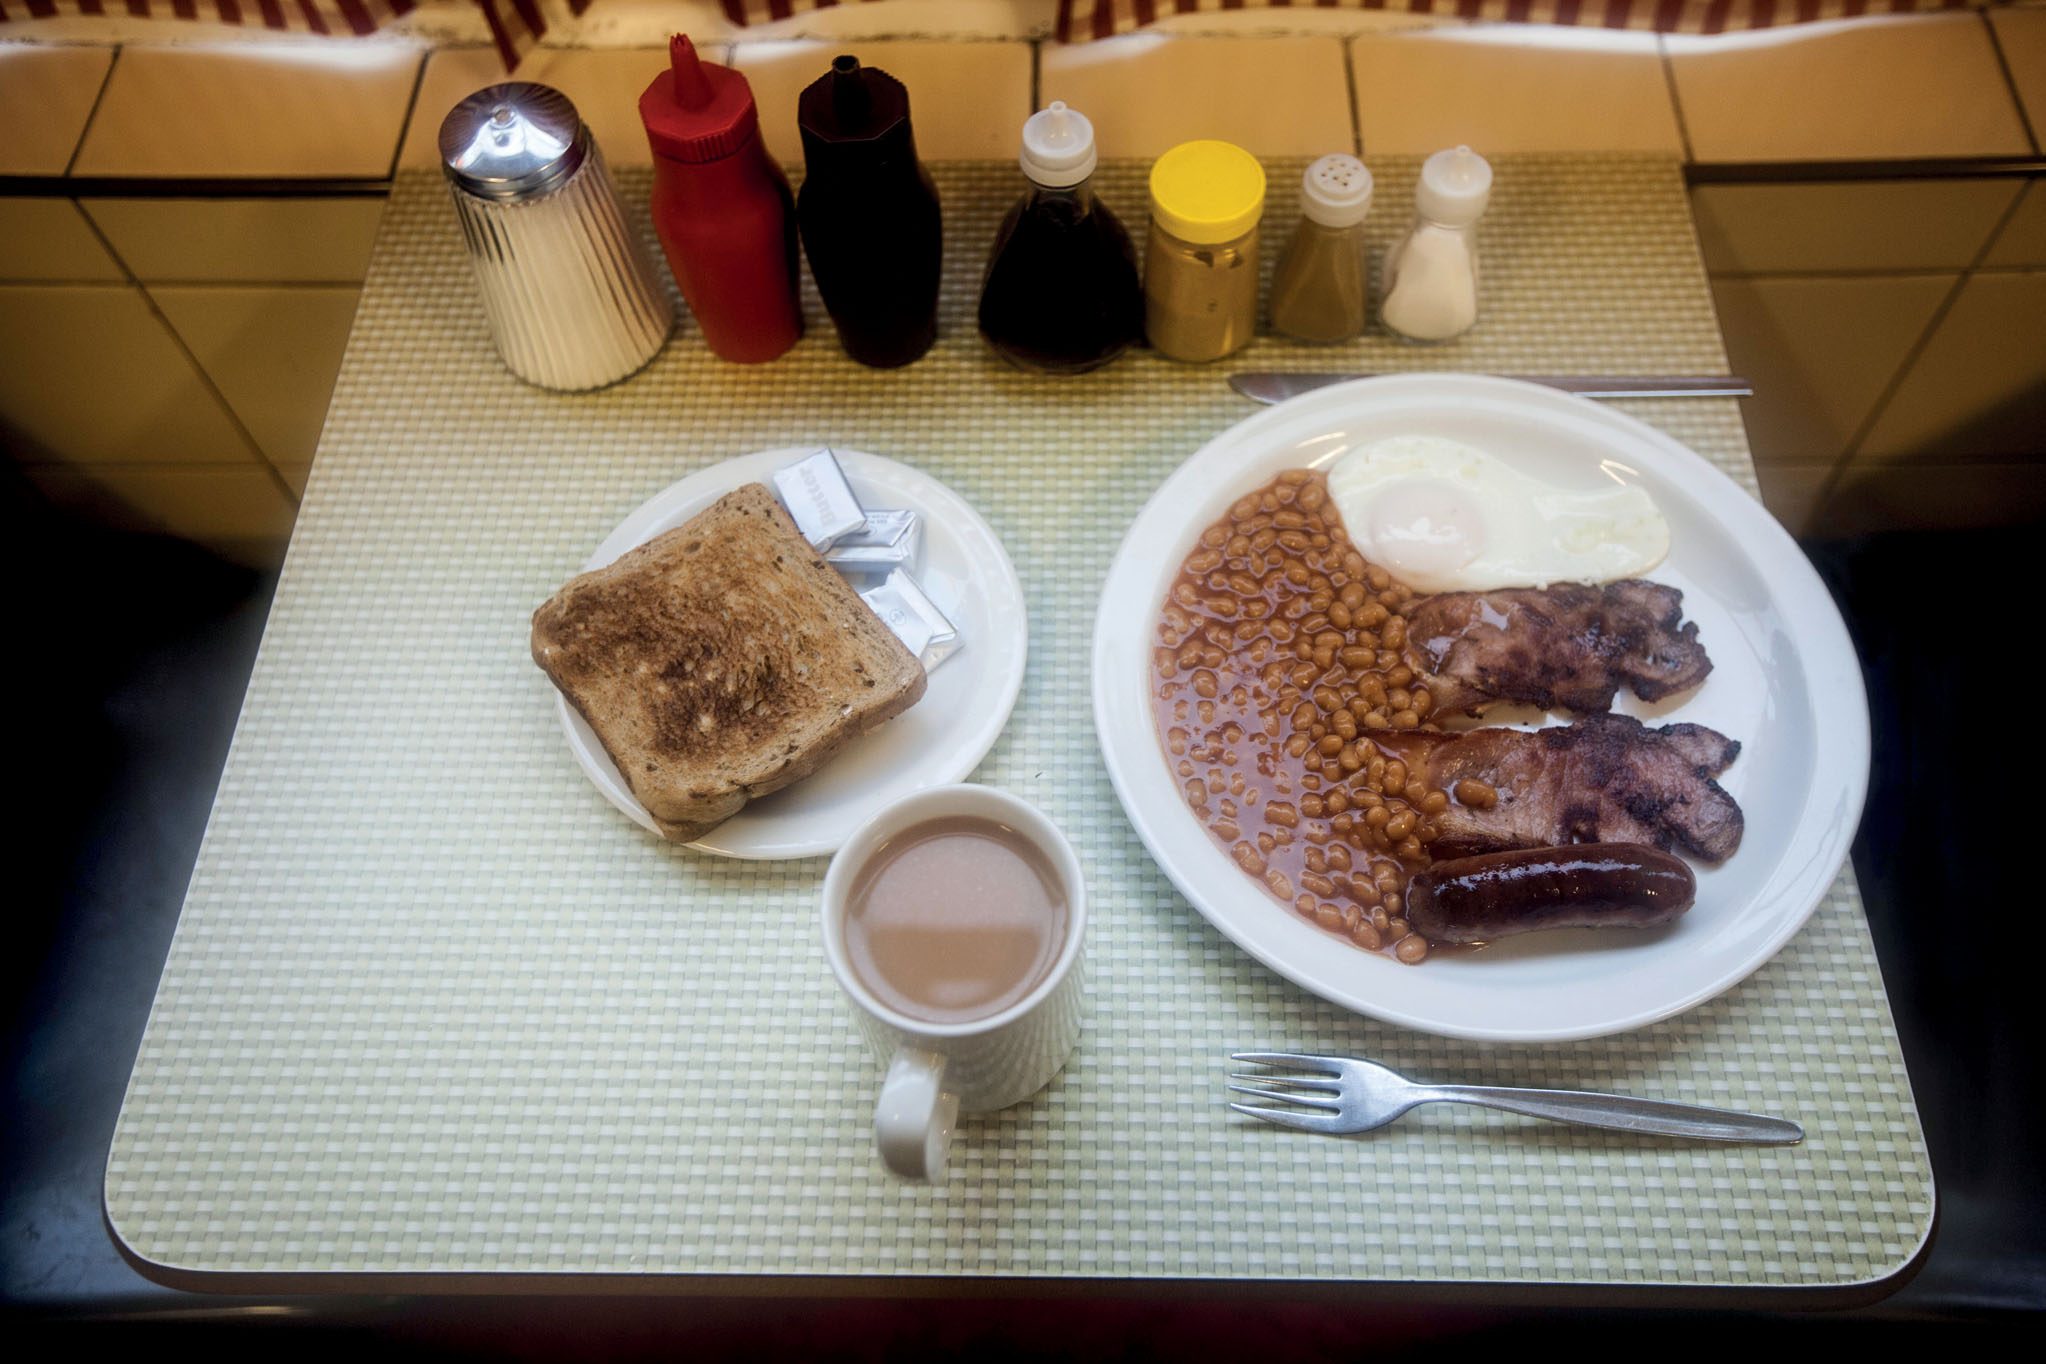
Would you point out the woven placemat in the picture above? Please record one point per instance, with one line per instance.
(434, 1008)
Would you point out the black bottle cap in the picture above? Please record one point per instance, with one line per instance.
(854, 109)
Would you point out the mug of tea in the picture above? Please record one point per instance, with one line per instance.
(953, 921)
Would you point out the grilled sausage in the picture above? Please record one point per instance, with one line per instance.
(1583, 885)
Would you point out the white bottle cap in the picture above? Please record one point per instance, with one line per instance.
(1336, 191)
(1058, 146)
(1455, 186)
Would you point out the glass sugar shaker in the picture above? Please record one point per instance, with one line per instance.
(1431, 274)
(569, 289)
(1318, 291)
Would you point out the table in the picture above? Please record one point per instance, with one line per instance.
(437, 1018)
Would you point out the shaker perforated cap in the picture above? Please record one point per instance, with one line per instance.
(1336, 191)
(1058, 146)
(1454, 188)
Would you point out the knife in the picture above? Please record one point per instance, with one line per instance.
(1270, 387)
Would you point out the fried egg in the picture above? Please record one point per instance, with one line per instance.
(1442, 516)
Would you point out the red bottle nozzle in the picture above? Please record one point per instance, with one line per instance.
(692, 87)
(697, 111)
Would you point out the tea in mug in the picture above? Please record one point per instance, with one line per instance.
(955, 919)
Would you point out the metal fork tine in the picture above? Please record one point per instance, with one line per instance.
(1306, 1122)
(1328, 1085)
(1305, 1100)
(1324, 1065)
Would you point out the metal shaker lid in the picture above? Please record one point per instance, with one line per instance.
(512, 141)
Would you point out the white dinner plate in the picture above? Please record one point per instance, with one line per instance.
(1785, 683)
(966, 573)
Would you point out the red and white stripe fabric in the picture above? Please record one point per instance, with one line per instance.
(518, 24)
(515, 24)
(1080, 20)
(304, 16)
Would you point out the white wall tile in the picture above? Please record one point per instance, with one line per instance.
(328, 109)
(237, 511)
(2023, 239)
(2021, 33)
(1864, 225)
(1513, 87)
(273, 353)
(89, 374)
(1819, 353)
(50, 239)
(1979, 389)
(46, 94)
(1146, 94)
(1920, 86)
(248, 240)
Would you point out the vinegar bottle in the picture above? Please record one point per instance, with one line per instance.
(722, 207)
(1061, 294)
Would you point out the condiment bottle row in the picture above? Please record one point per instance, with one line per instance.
(573, 303)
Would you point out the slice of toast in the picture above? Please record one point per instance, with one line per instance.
(721, 661)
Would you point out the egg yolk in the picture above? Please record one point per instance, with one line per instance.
(1425, 528)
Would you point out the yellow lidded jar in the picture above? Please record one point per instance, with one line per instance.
(1200, 263)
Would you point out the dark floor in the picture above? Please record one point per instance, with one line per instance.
(132, 657)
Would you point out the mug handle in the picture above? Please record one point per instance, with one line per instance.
(914, 1117)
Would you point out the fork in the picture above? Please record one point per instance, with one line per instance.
(1342, 1094)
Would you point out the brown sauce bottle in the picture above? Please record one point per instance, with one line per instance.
(869, 214)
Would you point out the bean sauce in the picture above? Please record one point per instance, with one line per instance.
(1278, 654)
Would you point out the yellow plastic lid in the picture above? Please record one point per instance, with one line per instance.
(1207, 192)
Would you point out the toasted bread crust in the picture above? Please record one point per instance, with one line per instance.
(721, 660)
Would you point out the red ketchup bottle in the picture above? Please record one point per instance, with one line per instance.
(722, 207)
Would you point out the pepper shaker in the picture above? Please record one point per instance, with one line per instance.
(1319, 288)
(569, 291)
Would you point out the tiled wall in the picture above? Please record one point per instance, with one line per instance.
(167, 346)
(1896, 329)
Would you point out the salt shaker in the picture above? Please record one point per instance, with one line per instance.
(569, 290)
(1431, 274)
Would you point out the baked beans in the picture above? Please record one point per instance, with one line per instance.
(1278, 654)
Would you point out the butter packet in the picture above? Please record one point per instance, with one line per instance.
(819, 500)
(891, 539)
(902, 604)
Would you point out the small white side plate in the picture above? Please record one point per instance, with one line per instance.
(1785, 682)
(936, 741)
